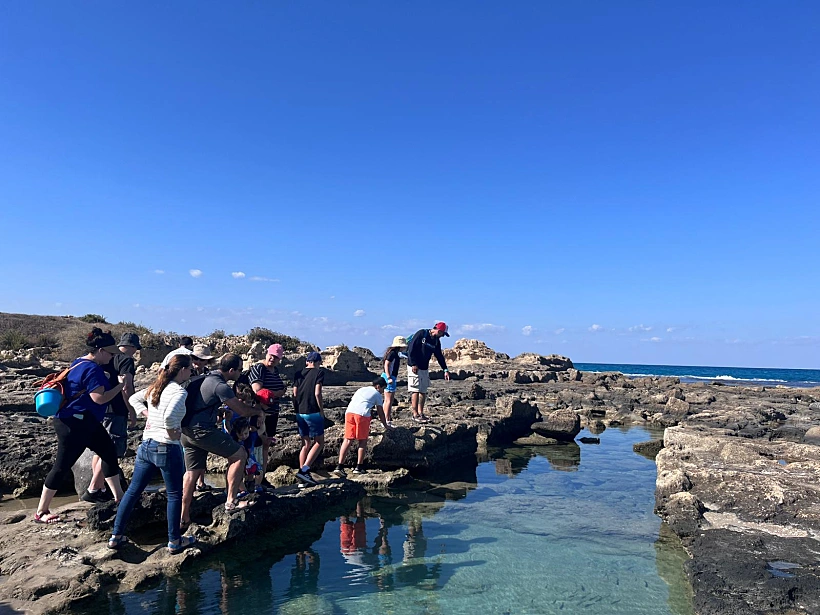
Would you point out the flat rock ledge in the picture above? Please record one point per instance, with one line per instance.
(748, 513)
(51, 568)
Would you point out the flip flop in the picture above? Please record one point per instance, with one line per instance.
(47, 517)
(237, 505)
(115, 542)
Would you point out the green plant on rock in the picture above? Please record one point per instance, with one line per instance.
(13, 340)
(218, 334)
(93, 319)
(46, 341)
(132, 327)
(266, 336)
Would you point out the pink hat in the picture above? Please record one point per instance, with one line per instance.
(276, 350)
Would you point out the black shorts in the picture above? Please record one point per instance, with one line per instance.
(199, 441)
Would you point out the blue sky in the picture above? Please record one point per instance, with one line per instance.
(624, 182)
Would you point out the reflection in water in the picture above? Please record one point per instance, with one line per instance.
(532, 530)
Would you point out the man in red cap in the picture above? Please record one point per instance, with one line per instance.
(422, 346)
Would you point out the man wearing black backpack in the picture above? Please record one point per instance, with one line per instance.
(200, 435)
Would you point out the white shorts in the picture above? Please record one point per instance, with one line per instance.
(418, 383)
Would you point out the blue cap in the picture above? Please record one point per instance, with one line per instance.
(313, 357)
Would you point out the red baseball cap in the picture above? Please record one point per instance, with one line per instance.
(442, 327)
(265, 396)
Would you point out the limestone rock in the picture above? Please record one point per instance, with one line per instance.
(536, 440)
(466, 353)
(562, 425)
(648, 449)
(553, 362)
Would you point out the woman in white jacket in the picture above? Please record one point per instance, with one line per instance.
(164, 402)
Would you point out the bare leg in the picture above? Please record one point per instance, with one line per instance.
(303, 454)
(414, 403)
(188, 484)
(422, 399)
(115, 486)
(318, 444)
(236, 473)
(388, 405)
(97, 478)
(343, 450)
(45, 499)
(361, 452)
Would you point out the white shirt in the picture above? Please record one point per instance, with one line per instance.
(168, 415)
(364, 400)
(181, 350)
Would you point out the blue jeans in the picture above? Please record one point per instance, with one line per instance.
(153, 456)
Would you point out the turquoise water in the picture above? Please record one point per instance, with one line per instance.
(561, 529)
(769, 376)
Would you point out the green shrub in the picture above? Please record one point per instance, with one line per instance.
(267, 337)
(45, 340)
(94, 318)
(13, 340)
(132, 327)
(241, 349)
(218, 334)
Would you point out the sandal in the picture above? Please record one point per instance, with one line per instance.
(184, 543)
(115, 542)
(203, 488)
(47, 517)
(237, 505)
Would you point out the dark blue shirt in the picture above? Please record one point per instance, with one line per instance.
(422, 347)
(85, 378)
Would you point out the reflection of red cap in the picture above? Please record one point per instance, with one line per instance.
(443, 328)
(265, 396)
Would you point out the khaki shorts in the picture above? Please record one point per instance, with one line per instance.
(198, 442)
(418, 383)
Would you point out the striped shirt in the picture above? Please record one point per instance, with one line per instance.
(269, 379)
(168, 415)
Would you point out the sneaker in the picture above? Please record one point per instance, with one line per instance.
(359, 470)
(340, 472)
(95, 497)
(306, 477)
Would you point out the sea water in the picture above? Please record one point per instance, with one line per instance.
(762, 376)
(559, 529)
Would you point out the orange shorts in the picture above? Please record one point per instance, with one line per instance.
(357, 427)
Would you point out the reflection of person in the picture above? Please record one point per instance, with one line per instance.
(415, 543)
(353, 536)
(304, 576)
(381, 548)
(424, 344)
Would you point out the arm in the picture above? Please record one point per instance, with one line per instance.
(318, 393)
(127, 381)
(102, 397)
(137, 400)
(382, 417)
(387, 370)
(243, 409)
(440, 358)
(413, 351)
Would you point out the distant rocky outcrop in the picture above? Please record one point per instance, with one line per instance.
(467, 352)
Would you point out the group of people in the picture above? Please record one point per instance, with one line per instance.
(192, 410)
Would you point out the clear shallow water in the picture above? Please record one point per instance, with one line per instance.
(562, 529)
(694, 373)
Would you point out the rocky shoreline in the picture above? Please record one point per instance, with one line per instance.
(738, 472)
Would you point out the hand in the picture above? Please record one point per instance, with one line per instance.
(447, 376)
(132, 423)
(415, 369)
(174, 434)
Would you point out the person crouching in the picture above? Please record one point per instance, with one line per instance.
(357, 422)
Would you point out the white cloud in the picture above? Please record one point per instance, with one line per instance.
(359, 313)
(485, 327)
(560, 331)
(159, 271)
(259, 278)
(332, 296)
(237, 275)
(640, 327)
(527, 330)
(136, 305)
(654, 339)
(390, 328)
(596, 328)
(670, 329)
(195, 273)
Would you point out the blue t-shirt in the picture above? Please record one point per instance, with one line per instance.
(87, 377)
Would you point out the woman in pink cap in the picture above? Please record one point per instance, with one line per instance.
(265, 375)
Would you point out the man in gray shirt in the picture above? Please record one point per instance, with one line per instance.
(200, 435)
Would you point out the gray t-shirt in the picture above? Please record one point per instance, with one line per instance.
(213, 392)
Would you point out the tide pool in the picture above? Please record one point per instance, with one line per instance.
(560, 529)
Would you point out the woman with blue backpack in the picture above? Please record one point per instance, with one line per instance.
(78, 422)
(164, 403)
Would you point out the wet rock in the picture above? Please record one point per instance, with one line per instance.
(588, 440)
(648, 449)
(812, 436)
(476, 391)
(596, 427)
(535, 440)
(561, 425)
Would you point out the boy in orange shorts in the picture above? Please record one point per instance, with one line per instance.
(357, 422)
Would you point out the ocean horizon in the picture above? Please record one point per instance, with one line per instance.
(761, 376)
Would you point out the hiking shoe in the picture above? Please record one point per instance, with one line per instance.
(306, 477)
(340, 472)
(359, 470)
